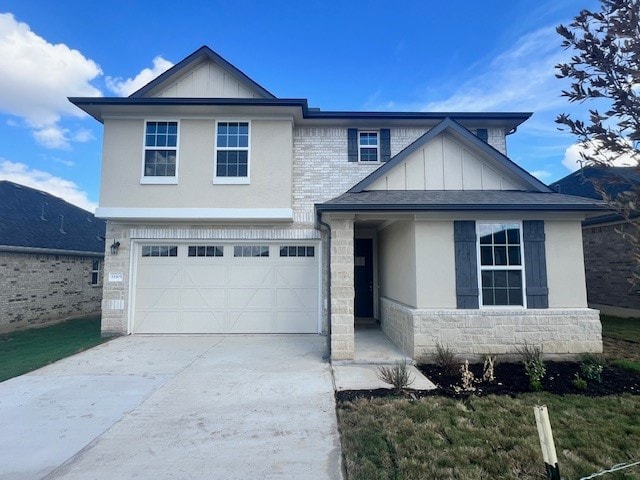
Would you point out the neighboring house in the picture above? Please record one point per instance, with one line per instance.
(240, 212)
(51, 256)
(609, 260)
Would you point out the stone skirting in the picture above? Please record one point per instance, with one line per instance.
(479, 332)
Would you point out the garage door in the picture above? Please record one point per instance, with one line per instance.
(226, 288)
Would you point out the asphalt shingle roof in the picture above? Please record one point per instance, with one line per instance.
(612, 179)
(458, 200)
(35, 219)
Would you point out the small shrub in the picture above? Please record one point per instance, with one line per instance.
(579, 382)
(445, 358)
(487, 368)
(398, 375)
(591, 368)
(534, 366)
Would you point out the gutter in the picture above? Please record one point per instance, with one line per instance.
(354, 207)
(49, 251)
(328, 257)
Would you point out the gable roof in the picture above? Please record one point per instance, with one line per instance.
(30, 218)
(458, 200)
(203, 52)
(448, 124)
(613, 180)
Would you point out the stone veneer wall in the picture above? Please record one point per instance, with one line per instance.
(480, 332)
(609, 263)
(37, 289)
(342, 289)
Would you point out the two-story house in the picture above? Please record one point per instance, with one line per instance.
(239, 212)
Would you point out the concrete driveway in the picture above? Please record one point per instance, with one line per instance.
(175, 407)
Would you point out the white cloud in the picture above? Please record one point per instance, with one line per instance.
(66, 163)
(542, 175)
(53, 136)
(521, 78)
(126, 87)
(573, 161)
(36, 77)
(83, 135)
(65, 189)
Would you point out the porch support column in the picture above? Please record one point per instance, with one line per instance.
(342, 288)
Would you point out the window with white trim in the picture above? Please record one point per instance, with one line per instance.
(160, 251)
(297, 251)
(160, 149)
(251, 251)
(205, 251)
(95, 272)
(368, 146)
(501, 267)
(232, 150)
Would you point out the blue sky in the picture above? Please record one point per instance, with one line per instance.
(350, 55)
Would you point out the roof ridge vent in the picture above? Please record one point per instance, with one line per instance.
(62, 224)
(43, 211)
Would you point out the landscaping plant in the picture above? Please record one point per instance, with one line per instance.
(591, 368)
(445, 358)
(487, 368)
(533, 365)
(397, 375)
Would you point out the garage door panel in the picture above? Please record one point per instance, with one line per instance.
(250, 275)
(299, 298)
(149, 298)
(158, 275)
(195, 298)
(226, 294)
(250, 298)
(300, 321)
(208, 275)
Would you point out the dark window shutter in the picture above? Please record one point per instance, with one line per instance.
(385, 144)
(352, 144)
(535, 264)
(464, 235)
(482, 134)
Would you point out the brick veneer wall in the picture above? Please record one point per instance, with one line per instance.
(475, 333)
(609, 262)
(37, 289)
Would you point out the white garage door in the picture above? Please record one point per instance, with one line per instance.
(226, 288)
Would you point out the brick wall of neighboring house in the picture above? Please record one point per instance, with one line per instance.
(608, 266)
(37, 289)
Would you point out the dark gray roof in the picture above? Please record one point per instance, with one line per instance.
(203, 52)
(31, 218)
(612, 179)
(452, 200)
(449, 124)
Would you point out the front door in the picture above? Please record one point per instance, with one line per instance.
(363, 277)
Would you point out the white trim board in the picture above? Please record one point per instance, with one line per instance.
(242, 214)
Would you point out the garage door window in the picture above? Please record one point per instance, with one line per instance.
(297, 251)
(206, 251)
(251, 251)
(160, 251)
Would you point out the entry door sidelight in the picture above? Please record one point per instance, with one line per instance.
(363, 277)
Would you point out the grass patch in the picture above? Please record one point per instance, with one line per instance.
(487, 437)
(633, 365)
(621, 328)
(27, 350)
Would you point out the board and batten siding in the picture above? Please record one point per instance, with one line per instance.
(446, 164)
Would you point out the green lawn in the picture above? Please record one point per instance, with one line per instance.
(621, 328)
(495, 437)
(492, 437)
(27, 350)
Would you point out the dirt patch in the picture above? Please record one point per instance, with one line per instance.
(511, 379)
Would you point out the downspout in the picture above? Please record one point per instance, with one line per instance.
(328, 257)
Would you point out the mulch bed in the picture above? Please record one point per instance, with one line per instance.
(511, 379)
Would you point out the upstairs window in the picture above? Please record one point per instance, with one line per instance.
(232, 152)
(160, 151)
(501, 266)
(482, 134)
(368, 146)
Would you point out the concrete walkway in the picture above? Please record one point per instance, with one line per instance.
(175, 407)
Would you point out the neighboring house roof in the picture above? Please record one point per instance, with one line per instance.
(203, 52)
(31, 219)
(450, 125)
(452, 200)
(613, 180)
